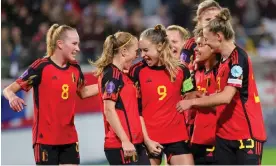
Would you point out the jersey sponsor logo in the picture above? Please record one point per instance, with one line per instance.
(54, 78)
(148, 80)
(187, 85)
(236, 71)
(24, 74)
(110, 87)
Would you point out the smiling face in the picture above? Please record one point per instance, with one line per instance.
(69, 45)
(212, 39)
(149, 52)
(202, 51)
(176, 41)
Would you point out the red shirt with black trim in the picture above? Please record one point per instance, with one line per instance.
(187, 57)
(55, 93)
(157, 101)
(205, 120)
(116, 86)
(242, 118)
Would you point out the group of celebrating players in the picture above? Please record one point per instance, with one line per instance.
(197, 104)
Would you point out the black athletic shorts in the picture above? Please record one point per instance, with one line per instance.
(203, 154)
(171, 149)
(56, 154)
(116, 156)
(238, 152)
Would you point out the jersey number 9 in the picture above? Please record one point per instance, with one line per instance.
(65, 91)
(162, 91)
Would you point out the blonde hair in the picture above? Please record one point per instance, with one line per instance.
(56, 32)
(157, 35)
(206, 5)
(198, 32)
(111, 46)
(182, 31)
(222, 24)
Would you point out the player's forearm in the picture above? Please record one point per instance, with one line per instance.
(144, 129)
(9, 92)
(114, 121)
(90, 90)
(211, 101)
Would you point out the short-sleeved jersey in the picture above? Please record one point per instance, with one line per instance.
(55, 93)
(242, 118)
(205, 120)
(157, 101)
(116, 86)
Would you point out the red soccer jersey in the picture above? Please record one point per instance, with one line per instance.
(159, 96)
(54, 100)
(116, 86)
(205, 120)
(187, 56)
(242, 118)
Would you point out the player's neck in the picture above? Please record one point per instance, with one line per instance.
(117, 63)
(209, 64)
(227, 48)
(59, 60)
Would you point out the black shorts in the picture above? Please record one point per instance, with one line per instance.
(203, 154)
(172, 149)
(116, 156)
(238, 152)
(56, 154)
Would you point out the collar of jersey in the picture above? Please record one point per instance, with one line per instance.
(61, 68)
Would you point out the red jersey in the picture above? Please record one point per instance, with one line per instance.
(242, 118)
(159, 96)
(187, 56)
(205, 120)
(54, 100)
(116, 86)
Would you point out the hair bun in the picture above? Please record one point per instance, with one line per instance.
(158, 27)
(224, 15)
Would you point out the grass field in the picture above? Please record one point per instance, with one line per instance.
(269, 156)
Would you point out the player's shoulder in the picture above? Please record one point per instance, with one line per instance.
(136, 68)
(75, 64)
(112, 71)
(40, 63)
(189, 44)
(238, 55)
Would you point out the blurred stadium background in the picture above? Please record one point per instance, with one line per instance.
(24, 24)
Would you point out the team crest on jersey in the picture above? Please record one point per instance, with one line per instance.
(110, 87)
(73, 77)
(236, 71)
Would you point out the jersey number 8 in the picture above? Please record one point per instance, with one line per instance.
(162, 91)
(65, 91)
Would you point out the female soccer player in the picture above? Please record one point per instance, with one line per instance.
(123, 131)
(160, 77)
(177, 36)
(55, 79)
(203, 137)
(240, 129)
(206, 11)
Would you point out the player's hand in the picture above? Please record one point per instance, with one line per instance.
(183, 105)
(128, 148)
(192, 95)
(16, 103)
(154, 147)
